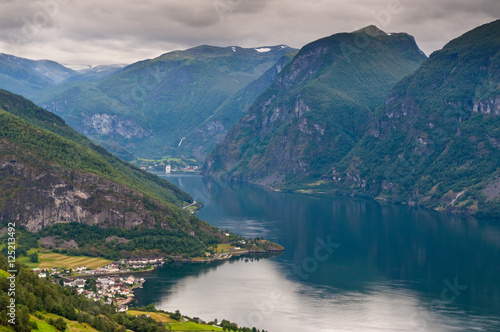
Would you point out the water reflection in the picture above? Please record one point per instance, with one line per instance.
(389, 272)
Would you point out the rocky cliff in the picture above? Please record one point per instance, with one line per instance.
(37, 195)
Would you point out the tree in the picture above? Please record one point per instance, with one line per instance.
(34, 257)
(59, 324)
(176, 316)
(31, 303)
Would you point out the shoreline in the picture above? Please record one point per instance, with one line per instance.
(339, 192)
(231, 255)
(87, 276)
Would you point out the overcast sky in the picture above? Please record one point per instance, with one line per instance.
(124, 31)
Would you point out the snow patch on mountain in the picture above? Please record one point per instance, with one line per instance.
(263, 49)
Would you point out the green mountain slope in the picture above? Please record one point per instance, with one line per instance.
(73, 194)
(49, 174)
(203, 139)
(27, 77)
(316, 111)
(436, 141)
(119, 171)
(149, 108)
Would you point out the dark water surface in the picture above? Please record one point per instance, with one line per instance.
(349, 265)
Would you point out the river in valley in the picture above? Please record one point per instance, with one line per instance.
(349, 265)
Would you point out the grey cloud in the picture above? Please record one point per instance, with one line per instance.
(111, 31)
(16, 15)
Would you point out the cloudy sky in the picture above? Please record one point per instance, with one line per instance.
(123, 31)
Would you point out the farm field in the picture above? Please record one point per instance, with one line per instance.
(48, 260)
(51, 260)
(73, 326)
(173, 325)
(157, 316)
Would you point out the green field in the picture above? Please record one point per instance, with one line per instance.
(5, 329)
(73, 326)
(48, 260)
(173, 324)
(190, 326)
(4, 274)
(42, 325)
(51, 260)
(157, 316)
(26, 260)
(221, 248)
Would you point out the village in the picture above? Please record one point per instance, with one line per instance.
(170, 169)
(103, 284)
(106, 285)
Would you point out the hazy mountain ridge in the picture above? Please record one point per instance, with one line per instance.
(89, 73)
(27, 77)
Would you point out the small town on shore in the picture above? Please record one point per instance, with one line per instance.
(111, 285)
(104, 284)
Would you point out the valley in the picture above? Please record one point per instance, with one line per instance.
(346, 184)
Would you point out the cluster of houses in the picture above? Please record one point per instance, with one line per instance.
(123, 266)
(142, 263)
(169, 169)
(54, 272)
(110, 290)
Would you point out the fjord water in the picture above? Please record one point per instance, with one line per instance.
(349, 265)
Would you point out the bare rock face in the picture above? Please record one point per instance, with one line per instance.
(43, 196)
(490, 106)
(106, 124)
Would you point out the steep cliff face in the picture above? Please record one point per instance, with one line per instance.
(317, 109)
(112, 125)
(489, 106)
(436, 140)
(40, 195)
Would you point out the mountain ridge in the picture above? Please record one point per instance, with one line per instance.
(148, 107)
(50, 173)
(441, 127)
(27, 77)
(433, 141)
(309, 96)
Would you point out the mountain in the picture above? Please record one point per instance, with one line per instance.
(80, 199)
(317, 109)
(436, 140)
(151, 107)
(51, 174)
(212, 131)
(27, 77)
(89, 73)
